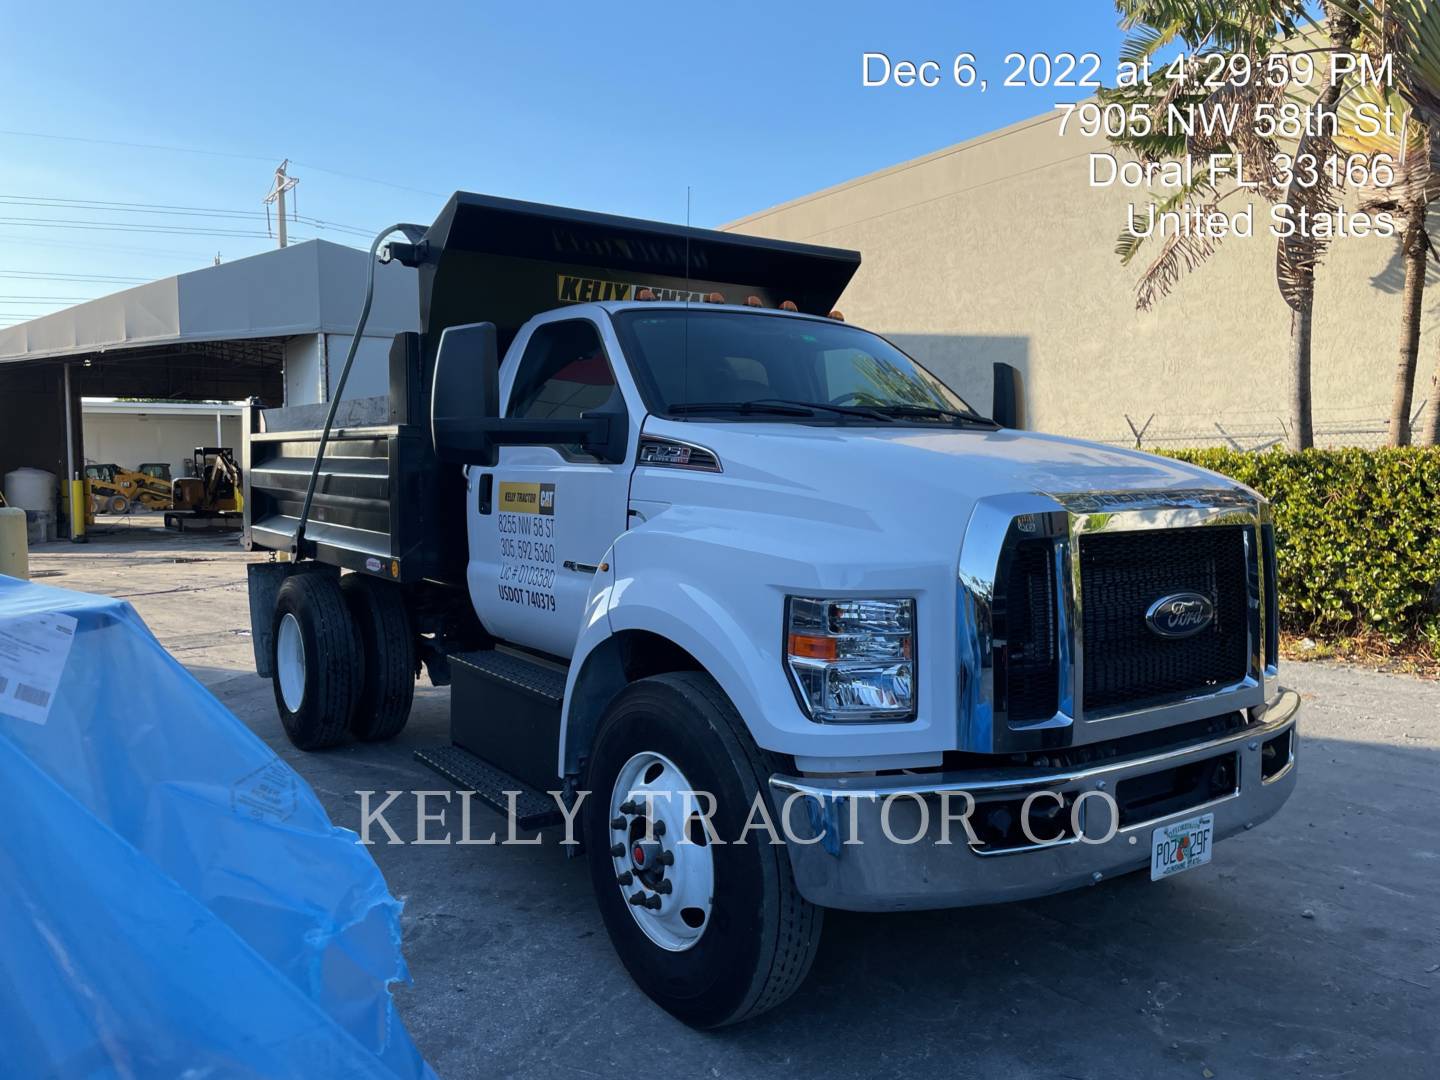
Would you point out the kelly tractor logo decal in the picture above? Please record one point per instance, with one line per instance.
(1180, 615)
(526, 524)
(573, 289)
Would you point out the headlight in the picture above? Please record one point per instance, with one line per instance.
(852, 660)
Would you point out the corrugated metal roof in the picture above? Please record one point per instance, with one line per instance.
(308, 288)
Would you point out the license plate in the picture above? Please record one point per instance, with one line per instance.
(1181, 846)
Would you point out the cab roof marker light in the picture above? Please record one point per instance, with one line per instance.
(753, 301)
(714, 298)
(789, 305)
(837, 315)
(645, 294)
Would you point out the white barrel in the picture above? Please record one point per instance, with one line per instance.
(32, 489)
(14, 555)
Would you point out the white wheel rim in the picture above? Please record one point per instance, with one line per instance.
(290, 662)
(654, 826)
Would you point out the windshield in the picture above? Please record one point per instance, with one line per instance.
(698, 361)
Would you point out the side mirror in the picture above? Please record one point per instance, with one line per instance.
(1008, 409)
(465, 394)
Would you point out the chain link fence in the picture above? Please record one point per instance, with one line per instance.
(1250, 432)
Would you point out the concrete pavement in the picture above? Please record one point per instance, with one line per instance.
(1310, 947)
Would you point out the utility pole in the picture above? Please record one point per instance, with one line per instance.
(282, 184)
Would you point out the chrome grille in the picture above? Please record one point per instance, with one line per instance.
(1126, 665)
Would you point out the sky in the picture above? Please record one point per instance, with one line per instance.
(385, 109)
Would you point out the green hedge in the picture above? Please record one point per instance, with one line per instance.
(1358, 536)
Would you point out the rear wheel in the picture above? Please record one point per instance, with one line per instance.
(386, 639)
(317, 661)
(714, 933)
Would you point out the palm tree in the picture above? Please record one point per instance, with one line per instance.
(1409, 32)
(1407, 197)
(1297, 256)
(1203, 28)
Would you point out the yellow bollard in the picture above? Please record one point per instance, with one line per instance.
(81, 498)
(14, 545)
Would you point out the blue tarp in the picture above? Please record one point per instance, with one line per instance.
(173, 898)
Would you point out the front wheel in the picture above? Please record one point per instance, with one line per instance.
(713, 931)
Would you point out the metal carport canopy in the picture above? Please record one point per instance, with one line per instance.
(310, 288)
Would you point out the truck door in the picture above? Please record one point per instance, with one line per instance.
(540, 525)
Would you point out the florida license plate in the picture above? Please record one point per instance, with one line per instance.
(1181, 846)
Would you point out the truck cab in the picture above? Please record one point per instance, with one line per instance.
(700, 557)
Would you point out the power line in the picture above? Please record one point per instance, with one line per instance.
(95, 245)
(319, 224)
(44, 202)
(20, 299)
(61, 276)
(128, 226)
(126, 207)
(215, 153)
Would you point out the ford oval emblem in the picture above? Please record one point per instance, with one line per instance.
(1180, 615)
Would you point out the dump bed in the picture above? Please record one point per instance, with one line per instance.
(383, 504)
(379, 491)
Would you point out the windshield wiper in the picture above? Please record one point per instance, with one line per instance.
(767, 407)
(935, 412)
(777, 407)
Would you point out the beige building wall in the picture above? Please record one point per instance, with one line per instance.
(998, 249)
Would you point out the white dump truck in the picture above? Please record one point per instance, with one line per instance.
(699, 553)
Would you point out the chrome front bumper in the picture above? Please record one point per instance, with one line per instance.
(879, 874)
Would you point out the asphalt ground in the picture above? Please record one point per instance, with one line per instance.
(1309, 947)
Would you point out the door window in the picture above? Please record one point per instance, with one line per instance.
(563, 374)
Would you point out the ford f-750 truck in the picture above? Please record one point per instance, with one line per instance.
(699, 552)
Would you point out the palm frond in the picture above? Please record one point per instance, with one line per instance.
(1128, 244)
(1409, 31)
(1145, 41)
(1181, 253)
(1297, 255)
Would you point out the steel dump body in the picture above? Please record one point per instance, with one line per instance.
(383, 504)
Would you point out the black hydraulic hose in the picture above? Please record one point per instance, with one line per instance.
(296, 548)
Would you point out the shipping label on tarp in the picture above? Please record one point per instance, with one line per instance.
(33, 651)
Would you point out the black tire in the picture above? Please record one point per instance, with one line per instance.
(386, 638)
(762, 934)
(119, 504)
(333, 660)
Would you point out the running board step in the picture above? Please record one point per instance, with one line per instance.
(533, 809)
(505, 709)
(535, 678)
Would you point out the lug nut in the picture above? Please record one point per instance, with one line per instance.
(652, 902)
(637, 898)
(617, 850)
(659, 828)
(625, 878)
(631, 807)
(617, 823)
(664, 886)
(667, 858)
